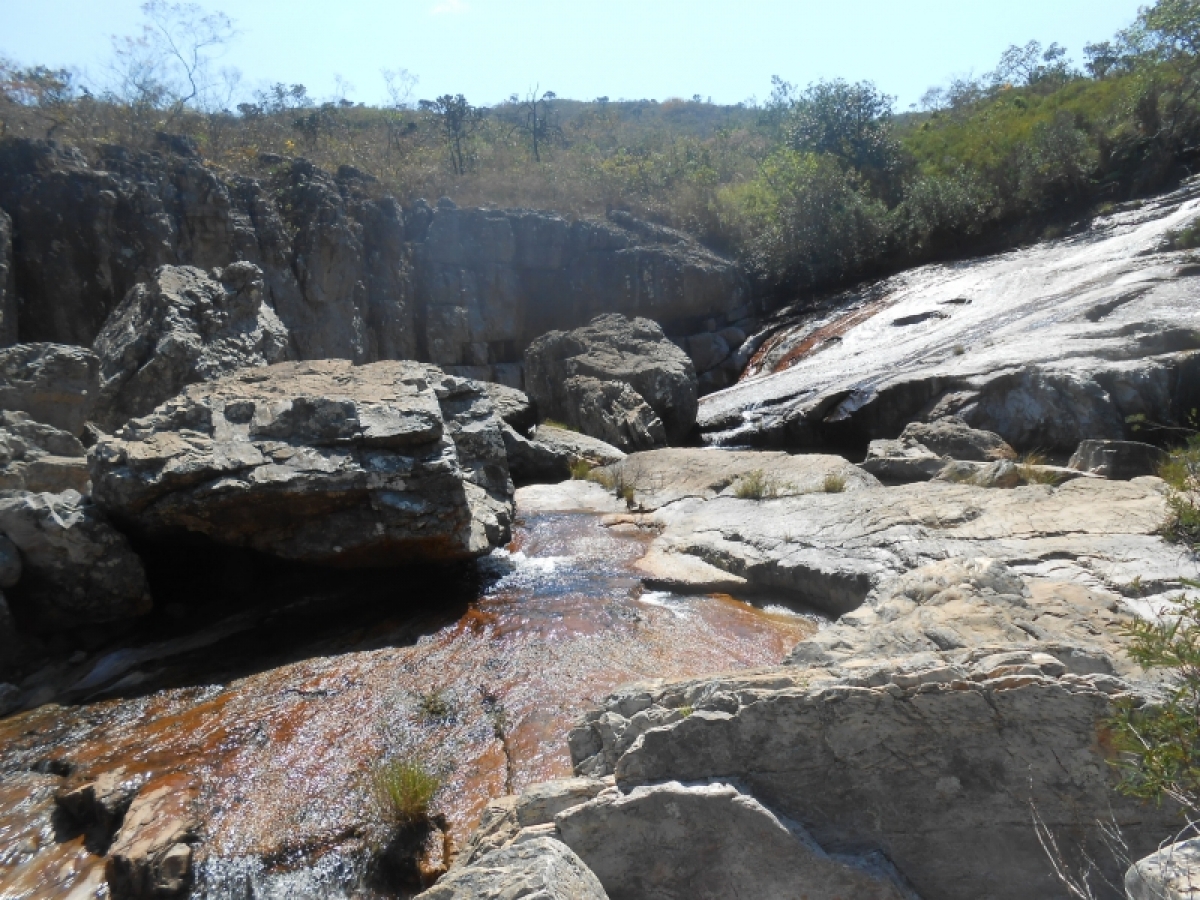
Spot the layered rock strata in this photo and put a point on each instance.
(324, 461)
(53, 383)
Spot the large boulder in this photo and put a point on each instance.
(53, 383)
(540, 868)
(613, 412)
(613, 348)
(76, 568)
(324, 461)
(183, 326)
(936, 763)
(952, 437)
(38, 457)
(1172, 873)
(553, 453)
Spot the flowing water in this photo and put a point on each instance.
(272, 727)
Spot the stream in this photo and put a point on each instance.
(271, 721)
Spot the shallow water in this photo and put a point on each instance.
(280, 758)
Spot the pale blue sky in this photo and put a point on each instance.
(488, 49)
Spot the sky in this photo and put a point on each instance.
(582, 49)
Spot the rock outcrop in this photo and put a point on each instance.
(349, 273)
(8, 291)
(324, 461)
(181, 327)
(831, 550)
(1121, 460)
(561, 369)
(1045, 346)
(76, 569)
(36, 457)
(923, 450)
(1173, 873)
(539, 868)
(54, 383)
(934, 762)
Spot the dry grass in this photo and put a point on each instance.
(834, 483)
(580, 469)
(1027, 467)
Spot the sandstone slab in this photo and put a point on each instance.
(325, 461)
(38, 457)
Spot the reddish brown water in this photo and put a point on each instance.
(279, 758)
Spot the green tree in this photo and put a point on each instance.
(458, 120)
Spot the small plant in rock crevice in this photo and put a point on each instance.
(1028, 467)
(404, 788)
(755, 485)
(834, 483)
(435, 706)
(580, 469)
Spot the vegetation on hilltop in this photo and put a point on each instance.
(814, 188)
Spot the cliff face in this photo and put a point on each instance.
(350, 273)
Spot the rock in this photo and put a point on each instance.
(707, 350)
(540, 868)
(712, 841)
(9, 697)
(1173, 873)
(568, 496)
(682, 573)
(550, 456)
(902, 461)
(181, 327)
(10, 563)
(151, 856)
(954, 438)
(12, 650)
(613, 412)
(1121, 342)
(1119, 460)
(959, 741)
(8, 288)
(613, 348)
(77, 569)
(660, 477)
(579, 447)
(55, 384)
(99, 805)
(966, 603)
(37, 457)
(831, 550)
(513, 406)
(504, 818)
(323, 461)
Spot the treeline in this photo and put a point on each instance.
(814, 188)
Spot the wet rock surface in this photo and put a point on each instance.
(181, 327)
(322, 461)
(614, 349)
(1046, 346)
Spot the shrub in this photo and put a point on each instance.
(1181, 472)
(1028, 469)
(404, 788)
(580, 469)
(1185, 238)
(754, 486)
(834, 483)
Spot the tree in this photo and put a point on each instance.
(458, 120)
(534, 119)
(49, 93)
(1031, 65)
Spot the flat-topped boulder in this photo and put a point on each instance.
(54, 383)
(39, 457)
(182, 326)
(613, 348)
(325, 461)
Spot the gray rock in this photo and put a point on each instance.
(77, 569)
(1173, 873)
(954, 438)
(613, 412)
(695, 843)
(540, 868)
(548, 458)
(12, 649)
(10, 563)
(1117, 459)
(38, 457)
(831, 550)
(902, 461)
(180, 327)
(53, 383)
(8, 289)
(513, 406)
(323, 461)
(707, 350)
(1120, 341)
(613, 348)
(958, 741)
(9, 698)
(151, 855)
(577, 446)
(660, 477)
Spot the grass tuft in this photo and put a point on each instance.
(581, 469)
(404, 788)
(834, 483)
(1030, 474)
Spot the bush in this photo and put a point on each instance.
(580, 469)
(1182, 472)
(755, 485)
(834, 484)
(404, 788)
